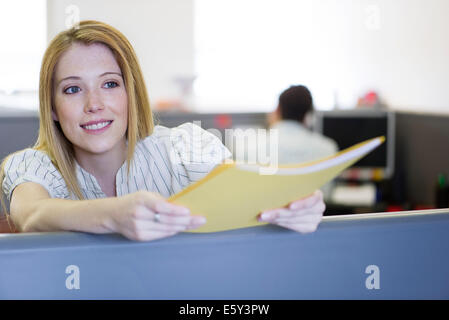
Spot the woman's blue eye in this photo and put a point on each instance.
(72, 89)
(75, 89)
(111, 84)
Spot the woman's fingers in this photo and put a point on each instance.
(287, 214)
(293, 207)
(162, 206)
(197, 222)
(300, 227)
(312, 218)
(169, 208)
(180, 220)
(157, 203)
(145, 230)
(140, 225)
(305, 222)
(166, 222)
(170, 217)
(143, 213)
(150, 216)
(303, 215)
(309, 201)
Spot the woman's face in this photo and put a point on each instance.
(91, 103)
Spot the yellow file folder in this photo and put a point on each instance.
(232, 195)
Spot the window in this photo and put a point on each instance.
(23, 35)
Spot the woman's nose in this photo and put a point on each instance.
(93, 103)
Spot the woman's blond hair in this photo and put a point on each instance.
(51, 139)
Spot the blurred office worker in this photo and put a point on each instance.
(297, 143)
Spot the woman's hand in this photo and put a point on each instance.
(145, 216)
(302, 215)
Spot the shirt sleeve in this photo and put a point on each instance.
(32, 165)
(194, 152)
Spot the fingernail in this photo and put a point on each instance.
(294, 206)
(267, 216)
(184, 210)
(197, 220)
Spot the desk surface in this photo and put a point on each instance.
(410, 252)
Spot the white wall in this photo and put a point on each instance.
(398, 47)
(161, 32)
(406, 58)
(338, 48)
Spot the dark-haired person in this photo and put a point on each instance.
(297, 143)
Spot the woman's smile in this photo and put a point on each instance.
(96, 127)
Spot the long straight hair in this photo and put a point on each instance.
(51, 139)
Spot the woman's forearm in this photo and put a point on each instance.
(141, 216)
(93, 216)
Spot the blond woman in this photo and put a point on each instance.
(99, 164)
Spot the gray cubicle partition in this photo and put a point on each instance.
(370, 256)
(18, 130)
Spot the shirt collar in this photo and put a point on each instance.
(86, 180)
(289, 125)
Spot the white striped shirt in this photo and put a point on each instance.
(165, 162)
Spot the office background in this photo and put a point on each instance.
(224, 63)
